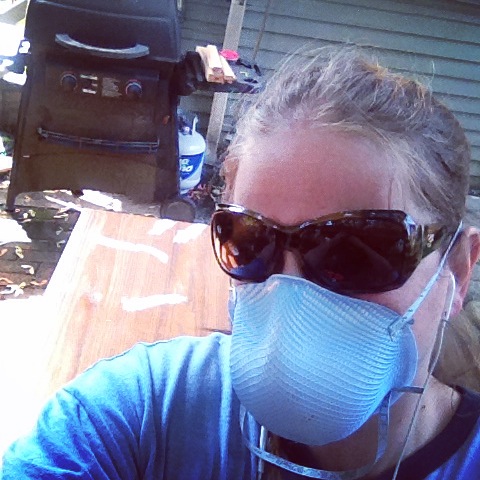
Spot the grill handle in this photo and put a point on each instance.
(67, 41)
(98, 143)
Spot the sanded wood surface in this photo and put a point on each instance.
(127, 278)
(121, 279)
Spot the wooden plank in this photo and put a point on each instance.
(219, 105)
(121, 279)
(118, 283)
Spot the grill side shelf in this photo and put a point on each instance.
(189, 76)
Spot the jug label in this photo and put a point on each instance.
(189, 164)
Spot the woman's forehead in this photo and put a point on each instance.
(311, 173)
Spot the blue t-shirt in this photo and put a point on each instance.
(167, 411)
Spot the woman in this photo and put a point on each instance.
(331, 134)
(342, 231)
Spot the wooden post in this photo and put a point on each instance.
(219, 104)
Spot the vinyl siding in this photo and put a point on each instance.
(436, 41)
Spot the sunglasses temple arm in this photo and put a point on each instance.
(434, 235)
(395, 327)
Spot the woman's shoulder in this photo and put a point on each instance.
(147, 407)
(455, 452)
(461, 441)
(184, 362)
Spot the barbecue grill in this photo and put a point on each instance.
(99, 106)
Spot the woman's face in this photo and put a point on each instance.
(294, 176)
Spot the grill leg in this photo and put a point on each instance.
(13, 189)
(11, 196)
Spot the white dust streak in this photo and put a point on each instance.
(102, 200)
(190, 233)
(161, 226)
(132, 247)
(136, 304)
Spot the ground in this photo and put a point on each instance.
(30, 250)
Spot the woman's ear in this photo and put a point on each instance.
(228, 171)
(462, 263)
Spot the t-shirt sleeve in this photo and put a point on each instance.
(92, 428)
(71, 442)
(162, 410)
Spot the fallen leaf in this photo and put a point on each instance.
(3, 251)
(60, 243)
(5, 281)
(19, 252)
(38, 284)
(16, 290)
(29, 268)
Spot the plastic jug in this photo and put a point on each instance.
(191, 147)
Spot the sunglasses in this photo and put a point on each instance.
(362, 251)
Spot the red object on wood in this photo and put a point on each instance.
(230, 55)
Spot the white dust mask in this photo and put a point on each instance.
(311, 365)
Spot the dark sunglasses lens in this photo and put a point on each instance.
(244, 246)
(356, 255)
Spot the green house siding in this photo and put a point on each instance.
(436, 41)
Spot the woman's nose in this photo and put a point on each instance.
(291, 265)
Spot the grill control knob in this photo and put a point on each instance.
(133, 89)
(68, 82)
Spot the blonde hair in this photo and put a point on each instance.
(344, 90)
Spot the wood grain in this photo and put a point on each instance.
(105, 295)
(118, 283)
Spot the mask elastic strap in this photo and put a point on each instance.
(396, 326)
(264, 456)
(232, 300)
(431, 367)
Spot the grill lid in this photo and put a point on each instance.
(138, 28)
